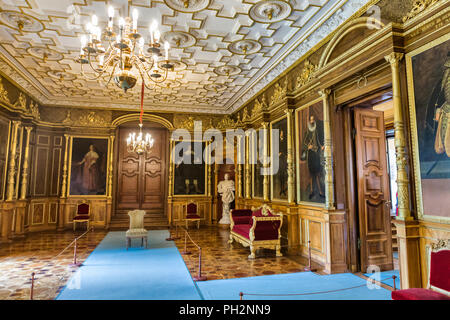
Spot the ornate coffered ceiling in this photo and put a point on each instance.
(224, 51)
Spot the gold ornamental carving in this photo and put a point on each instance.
(226, 123)
(306, 75)
(260, 105)
(21, 102)
(92, 119)
(418, 7)
(3, 93)
(280, 92)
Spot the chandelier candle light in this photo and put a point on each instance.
(126, 58)
(136, 143)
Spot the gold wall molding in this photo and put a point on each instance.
(419, 6)
(92, 119)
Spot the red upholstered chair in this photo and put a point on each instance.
(192, 214)
(82, 215)
(438, 277)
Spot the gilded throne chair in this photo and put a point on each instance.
(137, 230)
(82, 215)
(438, 276)
(257, 228)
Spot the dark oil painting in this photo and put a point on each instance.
(431, 79)
(89, 166)
(189, 178)
(311, 175)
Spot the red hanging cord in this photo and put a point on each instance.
(142, 103)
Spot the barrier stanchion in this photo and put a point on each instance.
(171, 238)
(185, 252)
(32, 286)
(241, 295)
(309, 267)
(75, 263)
(200, 277)
(393, 278)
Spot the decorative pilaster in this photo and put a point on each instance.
(329, 188)
(63, 206)
(23, 190)
(12, 162)
(290, 156)
(65, 166)
(408, 231)
(239, 168)
(404, 212)
(171, 169)
(265, 164)
(111, 166)
(248, 175)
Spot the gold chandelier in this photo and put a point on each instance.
(136, 142)
(125, 59)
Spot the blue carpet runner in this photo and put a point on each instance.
(113, 273)
(304, 282)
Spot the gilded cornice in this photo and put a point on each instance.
(280, 92)
(419, 6)
(306, 75)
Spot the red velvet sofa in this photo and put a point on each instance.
(256, 228)
(438, 279)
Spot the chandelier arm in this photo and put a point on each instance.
(98, 75)
(112, 75)
(143, 78)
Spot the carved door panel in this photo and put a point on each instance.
(142, 178)
(153, 174)
(373, 190)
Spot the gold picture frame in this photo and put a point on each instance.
(69, 174)
(5, 169)
(172, 192)
(414, 130)
(254, 139)
(272, 196)
(297, 156)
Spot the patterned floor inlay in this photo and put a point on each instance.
(35, 253)
(221, 260)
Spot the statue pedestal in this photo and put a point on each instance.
(224, 226)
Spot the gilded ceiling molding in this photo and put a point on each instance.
(147, 117)
(418, 7)
(187, 6)
(270, 11)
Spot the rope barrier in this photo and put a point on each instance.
(199, 277)
(241, 294)
(171, 238)
(75, 241)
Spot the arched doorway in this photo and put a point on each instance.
(141, 181)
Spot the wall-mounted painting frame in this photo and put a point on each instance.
(80, 182)
(5, 137)
(302, 162)
(279, 181)
(255, 167)
(189, 176)
(431, 160)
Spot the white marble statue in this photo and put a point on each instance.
(226, 190)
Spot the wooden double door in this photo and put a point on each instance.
(142, 179)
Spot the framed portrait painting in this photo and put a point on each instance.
(310, 154)
(279, 184)
(428, 75)
(88, 166)
(189, 170)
